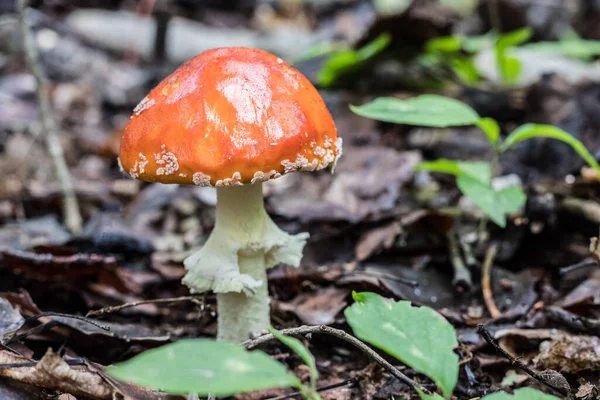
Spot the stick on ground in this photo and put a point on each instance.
(70, 205)
(488, 338)
(340, 334)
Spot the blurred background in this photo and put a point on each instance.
(373, 223)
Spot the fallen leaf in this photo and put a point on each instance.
(572, 353)
(367, 183)
(318, 308)
(10, 319)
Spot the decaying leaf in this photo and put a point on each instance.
(571, 354)
(319, 308)
(366, 183)
(10, 319)
(54, 373)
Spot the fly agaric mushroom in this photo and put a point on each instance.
(233, 118)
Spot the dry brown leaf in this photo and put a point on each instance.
(52, 372)
(570, 354)
(318, 308)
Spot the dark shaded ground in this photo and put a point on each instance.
(371, 222)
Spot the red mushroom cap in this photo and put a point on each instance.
(229, 116)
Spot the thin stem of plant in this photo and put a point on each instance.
(71, 212)
(486, 285)
(340, 334)
(108, 310)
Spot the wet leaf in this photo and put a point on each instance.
(205, 367)
(419, 337)
(425, 110)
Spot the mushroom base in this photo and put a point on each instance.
(233, 262)
(241, 316)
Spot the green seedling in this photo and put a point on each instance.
(474, 179)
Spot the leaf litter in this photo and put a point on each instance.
(375, 223)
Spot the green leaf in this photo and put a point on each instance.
(520, 394)
(478, 170)
(490, 127)
(496, 204)
(304, 354)
(425, 110)
(444, 44)
(424, 396)
(418, 336)
(204, 366)
(342, 61)
(510, 67)
(464, 67)
(374, 47)
(528, 131)
(514, 38)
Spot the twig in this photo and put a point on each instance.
(573, 321)
(486, 286)
(347, 382)
(107, 310)
(578, 266)
(488, 338)
(70, 206)
(48, 325)
(73, 362)
(340, 334)
(462, 280)
(77, 317)
(589, 209)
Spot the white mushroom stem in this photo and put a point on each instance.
(233, 262)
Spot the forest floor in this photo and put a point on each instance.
(373, 223)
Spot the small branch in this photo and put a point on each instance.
(77, 317)
(573, 321)
(107, 310)
(576, 267)
(73, 362)
(488, 338)
(340, 334)
(347, 382)
(70, 206)
(589, 209)
(462, 280)
(486, 286)
(48, 325)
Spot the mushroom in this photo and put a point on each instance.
(233, 118)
